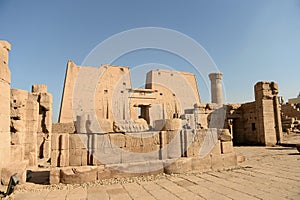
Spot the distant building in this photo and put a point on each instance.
(295, 100)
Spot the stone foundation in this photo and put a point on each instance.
(78, 158)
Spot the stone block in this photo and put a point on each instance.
(63, 142)
(32, 157)
(18, 125)
(4, 124)
(75, 157)
(54, 141)
(130, 169)
(124, 126)
(63, 158)
(46, 101)
(54, 176)
(106, 125)
(167, 124)
(224, 135)
(227, 147)
(117, 140)
(77, 142)
(216, 162)
(16, 113)
(47, 149)
(84, 157)
(14, 167)
(17, 138)
(174, 150)
(17, 152)
(192, 150)
(217, 148)
(78, 157)
(130, 157)
(54, 158)
(201, 164)
(110, 156)
(63, 128)
(156, 166)
(31, 130)
(32, 114)
(39, 88)
(103, 173)
(229, 160)
(60, 142)
(178, 166)
(77, 175)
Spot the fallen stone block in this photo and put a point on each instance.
(78, 175)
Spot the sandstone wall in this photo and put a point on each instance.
(44, 100)
(65, 114)
(245, 128)
(24, 125)
(183, 89)
(168, 95)
(4, 104)
(259, 122)
(269, 120)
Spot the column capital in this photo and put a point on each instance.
(215, 75)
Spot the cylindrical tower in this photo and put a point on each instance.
(216, 87)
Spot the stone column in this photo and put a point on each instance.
(4, 104)
(216, 87)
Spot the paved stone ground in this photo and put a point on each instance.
(267, 173)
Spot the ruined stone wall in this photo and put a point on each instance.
(4, 104)
(245, 128)
(290, 110)
(259, 122)
(268, 112)
(30, 116)
(44, 99)
(74, 156)
(24, 125)
(31, 122)
(294, 100)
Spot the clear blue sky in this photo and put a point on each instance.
(249, 40)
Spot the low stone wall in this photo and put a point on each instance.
(78, 158)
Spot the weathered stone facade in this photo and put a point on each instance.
(5, 47)
(26, 125)
(258, 122)
(290, 118)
